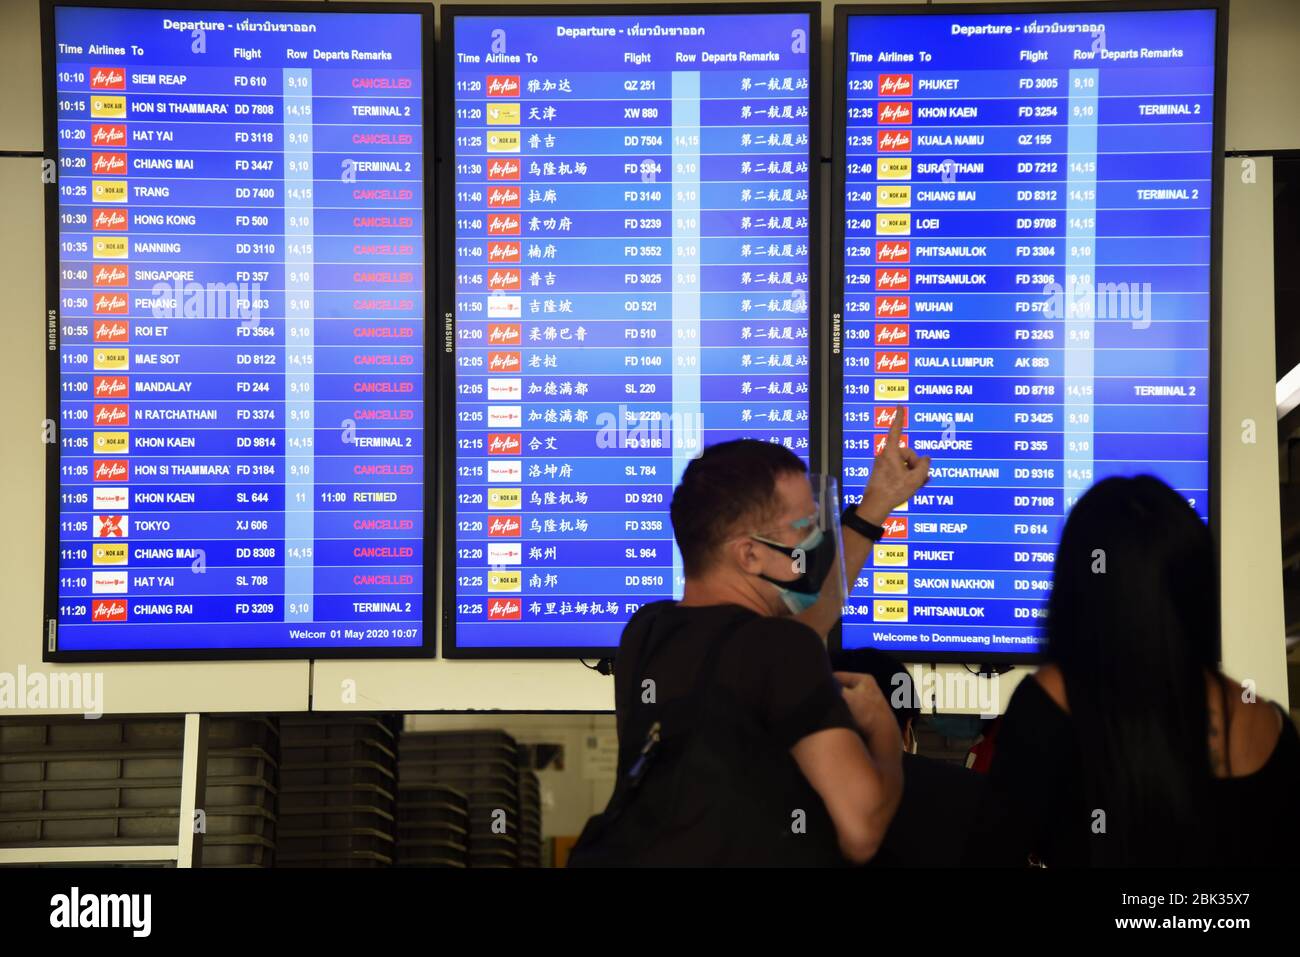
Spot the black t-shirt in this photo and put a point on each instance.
(769, 685)
(1036, 811)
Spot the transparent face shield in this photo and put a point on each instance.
(816, 556)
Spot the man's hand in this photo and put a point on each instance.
(871, 712)
(896, 475)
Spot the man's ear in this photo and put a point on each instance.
(743, 550)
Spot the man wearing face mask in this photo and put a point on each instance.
(737, 744)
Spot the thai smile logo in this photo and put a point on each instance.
(893, 280)
(107, 78)
(895, 84)
(505, 251)
(888, 251)
(892, 333)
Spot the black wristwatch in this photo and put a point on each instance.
(869, 530)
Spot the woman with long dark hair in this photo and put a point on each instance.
(1129, 747)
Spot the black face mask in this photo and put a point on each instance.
(801, 593)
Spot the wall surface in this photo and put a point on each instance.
(1264, 74)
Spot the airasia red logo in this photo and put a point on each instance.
(895, 84)
(880, 442)
(110, 526)
(890, 362)
(503, 197)
(503, 85)
(503, 169)
(895, 527)
(896, 113)
(114, 219)
(110, 386)
(504, 333)
(892, 251)
(896, 141)
(114, 414)
(108, 163)
(504, 362)
(111, 470)
(893, 280)
(892, 333)
(504, 443)
(504, 526)
(503, 224)
(107, 134)
(506, 251)
(110, 276)
(108, 609)
(109, 304)
(504, 609)
(886, 414)
(107, 78)
(892, 307)
(111, 330)
(501, 279)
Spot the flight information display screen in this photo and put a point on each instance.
(236, 331)
(632, 279)
(1026, 272)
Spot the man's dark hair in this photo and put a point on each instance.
(729, 482)
(900, 692)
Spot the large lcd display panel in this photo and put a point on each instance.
(235, 249)
(630, 277)
(1027, 267)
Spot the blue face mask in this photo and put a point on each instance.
(817, 553)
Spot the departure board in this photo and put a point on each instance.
(236, 330)
(631, 279)
(1027, 272)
